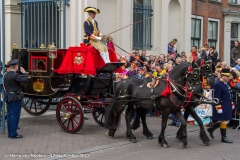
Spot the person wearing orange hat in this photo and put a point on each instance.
(93, 35)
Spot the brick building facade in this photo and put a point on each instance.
(216, 22)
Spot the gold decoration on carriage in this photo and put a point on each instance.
(78, 59)
(38, 86)
(42, 46)
(14, 46)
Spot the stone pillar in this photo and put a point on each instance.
(227, 39)
(156, 28)
(126, 15)
(74, 23)
(163, 16)
(186, 27)
(12, 26)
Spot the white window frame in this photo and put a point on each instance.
(238, 2)
(201, 18)
(216, 20)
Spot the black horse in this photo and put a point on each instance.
(169, 95)
(206, 72)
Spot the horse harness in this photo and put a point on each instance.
(174, 88)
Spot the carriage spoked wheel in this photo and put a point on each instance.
(36, 106)
(98, 115)
(70, 115)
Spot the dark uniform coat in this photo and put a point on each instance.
(88, 29)
(12, 84)
(222, 91)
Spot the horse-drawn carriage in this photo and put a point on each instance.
(73, 79)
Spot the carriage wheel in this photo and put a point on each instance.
(70, 115)
(35, 106)
(98, 115)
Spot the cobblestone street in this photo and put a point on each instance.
(43, 139)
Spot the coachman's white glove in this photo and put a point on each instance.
(97, 38)
(233, 105)
(219, 109)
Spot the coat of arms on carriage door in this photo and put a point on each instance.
(78, 59)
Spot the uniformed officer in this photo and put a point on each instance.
(12, 85)
(93, 35)
(222, 112)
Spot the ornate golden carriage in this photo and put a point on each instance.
(56, 78)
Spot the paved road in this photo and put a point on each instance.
(43, 139)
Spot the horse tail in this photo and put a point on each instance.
(109, 115)
(109, 119)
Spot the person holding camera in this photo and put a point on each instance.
(12, 84)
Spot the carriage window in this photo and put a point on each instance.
(38, 61)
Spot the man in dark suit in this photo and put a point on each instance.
(213, 55)
(222, 112)
(12, 85)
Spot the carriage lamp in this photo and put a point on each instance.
(52, 53)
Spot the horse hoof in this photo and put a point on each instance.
(207, 143)
(133, 140)
(184, 145)
(110, 134)
(164, 145)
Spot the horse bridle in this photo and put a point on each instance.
(208, 71)
(194, 73)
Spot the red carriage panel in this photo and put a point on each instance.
(84, 59)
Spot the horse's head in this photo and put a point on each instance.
(193, 78)
(207, 70)
(187, 74)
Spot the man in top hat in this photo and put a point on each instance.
(93, 35)
(222, 112)
(12, 85)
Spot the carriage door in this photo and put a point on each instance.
(43, 22)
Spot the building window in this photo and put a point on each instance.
(142, 31)
(196, 32)
(212, 33)
(233, 1)
(41, 23)
(234, 30)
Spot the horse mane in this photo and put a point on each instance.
(179, 71)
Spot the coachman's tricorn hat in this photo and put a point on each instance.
(92, 10)
(225, 72)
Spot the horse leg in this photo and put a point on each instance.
(161, 138)
(203, 134)
(183, 138)
(186, 114)
(128, 118)
(146, 131)
(136, 124)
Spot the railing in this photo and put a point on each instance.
(142, 32)
(2, 61)
(43, 22)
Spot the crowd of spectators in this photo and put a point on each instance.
(142, 65)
